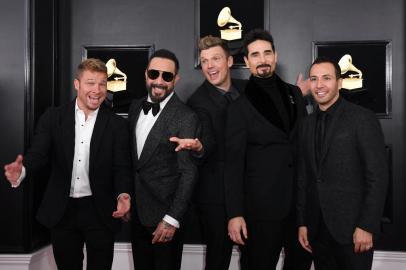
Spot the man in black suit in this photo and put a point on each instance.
(87, 149)
(342, 176)
(210, 102)
(260, 159)
(164, 178)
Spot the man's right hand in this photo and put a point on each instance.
(304, 241)
(236, 226)
(13, 170)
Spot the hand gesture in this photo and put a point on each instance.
(236, 226)
(187, 144)
(163, 233)
(13, 170)
(303, 240)
(303, 84)
(123, 206)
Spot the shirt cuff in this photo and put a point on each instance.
(122, 194)
(171, 221)
(20, 179)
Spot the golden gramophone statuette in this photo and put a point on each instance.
(234, 30)
(354, 79)
(117, 80)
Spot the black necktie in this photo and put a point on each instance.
(146, 106)
(320, 134)
(228, 97)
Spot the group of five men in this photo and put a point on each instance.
(261, 174)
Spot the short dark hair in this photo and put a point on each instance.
(167, 54)
(91, 64)
(209, 41)
(254, 35)
(323, 59)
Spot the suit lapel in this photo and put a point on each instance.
(67, 133)
(157, 132)
(95, 142)
(135, 111)
(311, 128)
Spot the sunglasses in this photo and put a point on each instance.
(166, 75)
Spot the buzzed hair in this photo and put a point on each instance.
(167, 54)
(323, 59)
(91, 64)
(209, 41)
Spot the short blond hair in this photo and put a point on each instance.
(209, 41)
(91, 64)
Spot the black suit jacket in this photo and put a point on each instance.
(109, 162)
(260, 158)
(348, 187)
(164, 179)
(211, 107)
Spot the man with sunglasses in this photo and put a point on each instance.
(164, 178)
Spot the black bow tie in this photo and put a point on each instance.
(146, 106)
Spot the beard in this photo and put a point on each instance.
(264, 73)
(158, 98)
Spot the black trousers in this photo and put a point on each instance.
(263, 246)
(330, 255)
(218, 245)
(79, 225)
(296, 257)
(159, 256)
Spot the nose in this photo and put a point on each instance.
(319, 84)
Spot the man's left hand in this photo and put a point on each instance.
(123, 206)
(163, 233)
(362, 240)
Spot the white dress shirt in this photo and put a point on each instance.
(80, 184)
(144, 125)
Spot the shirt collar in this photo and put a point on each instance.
(91, 114)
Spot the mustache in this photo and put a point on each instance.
(160, 86)
(264, 65)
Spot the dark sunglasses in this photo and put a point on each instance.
(166, 75)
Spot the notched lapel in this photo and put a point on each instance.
(67, 134)
(310, 141)
(134, 115)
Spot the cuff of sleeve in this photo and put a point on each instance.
(20, 179)
(171, 221)
(122, 194)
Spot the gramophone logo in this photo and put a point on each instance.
(352, 75)
(234, 27)
(117, 80)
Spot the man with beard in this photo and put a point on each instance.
(164, 178)
(260, 151)
(210, 102)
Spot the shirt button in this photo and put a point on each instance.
(77, 178)
(81, 142)
(318, 180)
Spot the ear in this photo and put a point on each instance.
(246, 62)
(76, 83)
(230, 61)
(340, 83)
(146, 76)
(276, 57)
(177, 78)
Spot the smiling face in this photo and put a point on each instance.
(216, 67)
(91, 87)
(261, 58)
(324, 84)
(158, 88)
